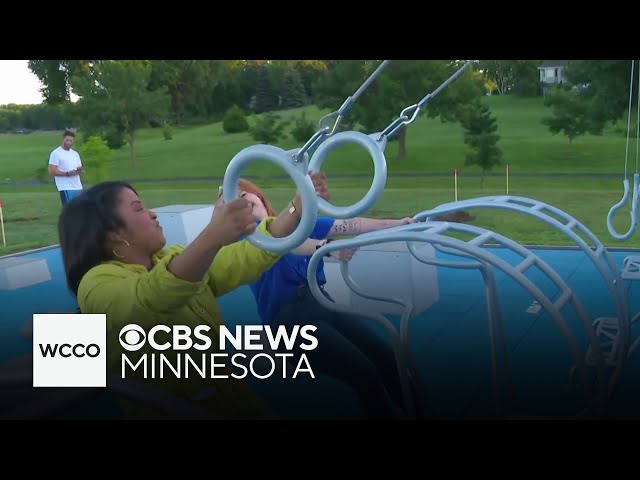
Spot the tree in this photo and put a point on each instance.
(293, 94)
(266, 99)
(269, 129)
(307, 70)
(500, 74)
(481, 137)
(55, 76)
(513, 76)
(603, 87)
(235, 121)
(117, 94)
(191, 84)
(526, 78)
(303, 129)
(310, 71)
(95, 155)
(401, 84)
(569, 113)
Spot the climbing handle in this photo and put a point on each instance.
(302, 180)
(620, 204)
(376, 151)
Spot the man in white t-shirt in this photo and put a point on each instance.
(65, 166)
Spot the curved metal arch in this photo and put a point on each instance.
(432, 232)
(498, 345)
(597, 254)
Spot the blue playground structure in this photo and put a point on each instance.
(485, 327)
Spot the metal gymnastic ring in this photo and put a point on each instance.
(375, 149)
(302, 180)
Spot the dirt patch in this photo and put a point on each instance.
(457, 217)
(21, 219)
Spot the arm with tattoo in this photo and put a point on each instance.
(358, 225)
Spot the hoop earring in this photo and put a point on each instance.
(114, 250)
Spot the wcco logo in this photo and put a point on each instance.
(66, 350)
(69, 350)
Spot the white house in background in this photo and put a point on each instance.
(552, 72)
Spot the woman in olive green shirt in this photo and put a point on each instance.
(116, 263)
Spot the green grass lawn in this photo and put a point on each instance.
(31, 212)
(432, 147)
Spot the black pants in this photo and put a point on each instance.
(349, 349)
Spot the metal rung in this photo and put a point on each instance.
(564, 298)
(440, 228)
(482, 239)
(525, 264)
(572, 224)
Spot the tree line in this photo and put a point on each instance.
(118, 98)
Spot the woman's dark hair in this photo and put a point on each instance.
(83, 226)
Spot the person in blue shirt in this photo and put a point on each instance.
(348, 348)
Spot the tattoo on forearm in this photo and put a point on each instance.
(347, 227)
(339, 227)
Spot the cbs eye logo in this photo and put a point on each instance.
(132, 337)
